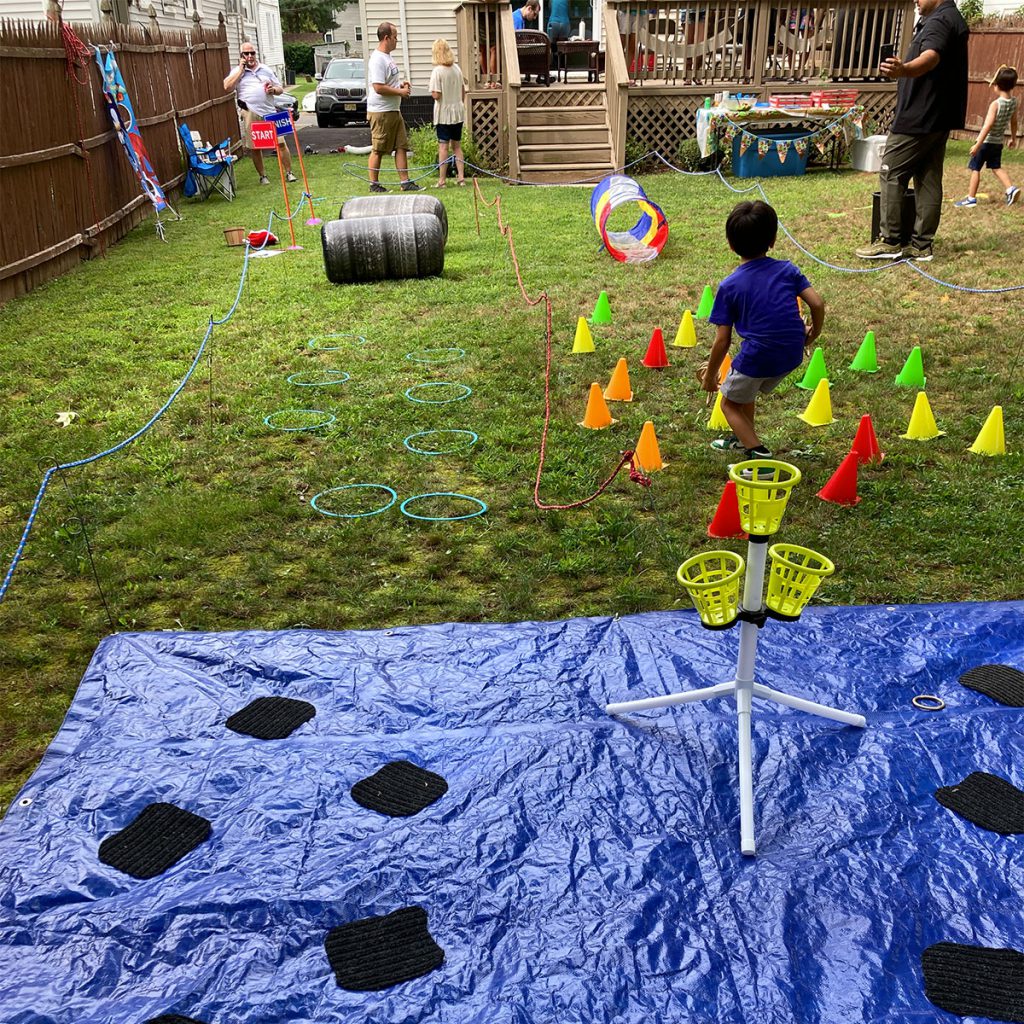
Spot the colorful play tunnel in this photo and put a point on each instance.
(646, 238)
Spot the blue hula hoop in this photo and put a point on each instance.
(354, 515)
(359, 340)
(423, 357)
(443, 519)
(473, 438)
(312, 412)
(467, 391)
(341, 377)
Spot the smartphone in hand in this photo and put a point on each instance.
(886, 52)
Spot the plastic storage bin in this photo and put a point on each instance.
(866, 154)
(750, 165)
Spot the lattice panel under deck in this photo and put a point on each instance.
(485, 128)
(662, 122)
(556, 97)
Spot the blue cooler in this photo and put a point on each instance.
(750, 165)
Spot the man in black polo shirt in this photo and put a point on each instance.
(931, 101)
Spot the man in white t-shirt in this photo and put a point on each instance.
(254, 84)
(384, 109)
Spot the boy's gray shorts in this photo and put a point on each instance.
(740, 388)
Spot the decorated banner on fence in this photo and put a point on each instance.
(122, 114)
(852, 122)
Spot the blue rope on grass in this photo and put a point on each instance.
(467, 391)
(443, 519)
(354, 515)
(472, 435)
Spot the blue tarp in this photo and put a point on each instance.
(579, 869)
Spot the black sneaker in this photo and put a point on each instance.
(376, 186)
(411, 186)
(918, 253)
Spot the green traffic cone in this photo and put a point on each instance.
(707, 300)
(866, 361)
(602, 311)
(815, 371)
(912, 374)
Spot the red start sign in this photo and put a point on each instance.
(263, 135)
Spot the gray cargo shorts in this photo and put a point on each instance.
(743, 390)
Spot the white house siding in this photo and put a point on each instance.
(424, 21)
(268, 31)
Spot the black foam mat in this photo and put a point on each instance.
(159, 836)
(173, 1018)
(378, 952)
(988, 801)
(271, 718)
(1000, 682)
(975, 981)
(399, 789)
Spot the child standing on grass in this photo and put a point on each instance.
(988, 150)
(759, 300)
(448, 88)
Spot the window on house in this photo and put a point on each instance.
(359, 33)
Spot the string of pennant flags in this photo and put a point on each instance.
(727, 130)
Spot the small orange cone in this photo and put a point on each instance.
(726, 521)
(618, 389)
(657, 357)
(648, 455)
(597, 416)
(842, 488)
(865, 444)
(723, 370)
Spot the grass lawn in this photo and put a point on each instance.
(205, 523)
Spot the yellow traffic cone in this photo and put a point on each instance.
(618, 389)
(922, 423)
(819, 409)
(990, 439)
(584, 341)
(597, 416)
(686, 336)
(648, 455)
(718, 420)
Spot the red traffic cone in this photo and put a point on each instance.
(726, 521)
(842, 488)
(657, 357)
(865, 444)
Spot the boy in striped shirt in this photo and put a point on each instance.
(988, 150)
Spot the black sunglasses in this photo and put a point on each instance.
(248, 53)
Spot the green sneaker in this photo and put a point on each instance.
(727, 444)
(919, 253)
(880, 251)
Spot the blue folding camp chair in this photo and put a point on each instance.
(210, 169)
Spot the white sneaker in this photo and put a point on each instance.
(290, 177)
(264, 180)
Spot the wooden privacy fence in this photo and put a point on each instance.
(988, 48)
(65, 183)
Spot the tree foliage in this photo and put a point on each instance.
(309, 15)
(298, 57)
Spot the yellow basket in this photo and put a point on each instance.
(712, 579)
(795, 575)
(763, 498)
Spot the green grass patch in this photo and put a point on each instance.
(205, 523)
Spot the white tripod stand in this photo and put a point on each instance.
(743, 686)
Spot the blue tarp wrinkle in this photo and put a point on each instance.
(579, 869)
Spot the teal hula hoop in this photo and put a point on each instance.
(359, 340)
(268, 420)
(341, 377)
(472, 435)
(443, 519)
(467, 391)
(424, 355)
(354, 515)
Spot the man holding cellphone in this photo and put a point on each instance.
(254, 83)
(931, 101)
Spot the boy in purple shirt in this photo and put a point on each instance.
(759, 299)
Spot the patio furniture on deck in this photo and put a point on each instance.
(534, 51)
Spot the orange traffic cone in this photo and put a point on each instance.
(726, 521)
(618, 389)
(865, 444)
(657, 357)
(648, 455)
(724, 368)
(597, 416)
(842, 488)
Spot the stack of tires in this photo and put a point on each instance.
(379, 238)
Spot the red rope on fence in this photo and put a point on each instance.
(628, 457)
(76, 55)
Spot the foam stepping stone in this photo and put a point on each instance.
(987, 801)
(975, 981)
(173, 1018)
(271, 718)
(1000, 682)
(400, 789)
(378, 952)
(159, 836)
